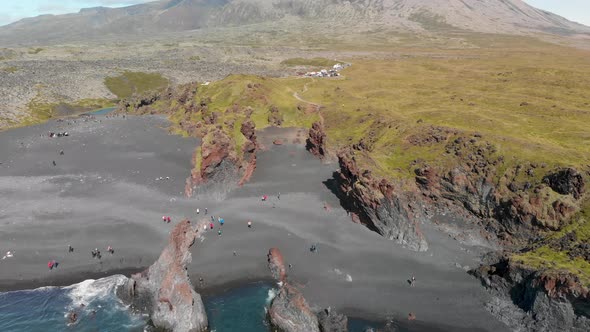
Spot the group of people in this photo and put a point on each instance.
(166, 219)
(95, 254)
(62, 134)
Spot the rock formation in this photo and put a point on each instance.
(331, 321)
(164, 290)
(544, 300)
(289, 312)
(316, 142)
(380, 206)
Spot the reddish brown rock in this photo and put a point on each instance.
(275, 118)
(249, 150)
(164, 290)
(288, 312)
(379, 204)
(316, 142)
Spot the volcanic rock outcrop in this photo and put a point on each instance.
(546, 300)
(289, 312)
(164, 290)
(383, 208)
(316, 142)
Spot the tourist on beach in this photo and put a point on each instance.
(205, 211)
(219, 232)
(249, 223)
(279, 196)
(54, 164)
(52, 264)
(221, 221)
(204, 227)
(264, 198)
(313, 248)
(412, 281)
(198, 211)
(164, 218)
(168, 219)
(211, 225)
(70, 248)
(212, 218)
(111, 250)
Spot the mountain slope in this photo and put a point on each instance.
(492, 16)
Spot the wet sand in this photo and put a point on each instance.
(103, 191)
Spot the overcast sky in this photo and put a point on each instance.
(13, 10)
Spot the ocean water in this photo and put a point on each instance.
(240, 309)
(46, 308)
(103, 111)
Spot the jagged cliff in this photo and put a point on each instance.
(516, 203)
(223, 160)
(164, 290)
(544, 300)
(519, 204)
(380, 204)
(289, 311)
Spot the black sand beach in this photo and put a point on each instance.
(105, 190)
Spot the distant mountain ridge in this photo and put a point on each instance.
(491, 16)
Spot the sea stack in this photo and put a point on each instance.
(164, 290)
(289, 312)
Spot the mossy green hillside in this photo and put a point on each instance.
(129, 83)
(39, 111)
(549, 258)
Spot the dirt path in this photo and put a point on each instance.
(315, 105)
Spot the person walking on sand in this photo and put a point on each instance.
(70, 248)
(205, 227)
(211, 225)
(198, 211)
(279, 196)
(205, 211)
(412, 281)
(219, 232)
(249, 223)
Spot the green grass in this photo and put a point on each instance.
(550, 259)
(129, 83)
(195, 58)
(10, 69)
(315, 62)
(39, 111)
(35, 50)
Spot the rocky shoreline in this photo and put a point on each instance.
(513, 206)
(164, 290)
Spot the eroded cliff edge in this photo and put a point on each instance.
(538, 214)
(164, 290)
(290, 312)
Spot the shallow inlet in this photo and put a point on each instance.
(102, 111)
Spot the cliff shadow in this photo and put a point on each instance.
(348, 203)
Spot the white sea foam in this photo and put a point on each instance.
(91, 290)
(271, 295)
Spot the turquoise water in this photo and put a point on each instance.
(103, 111)
(240, 309)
